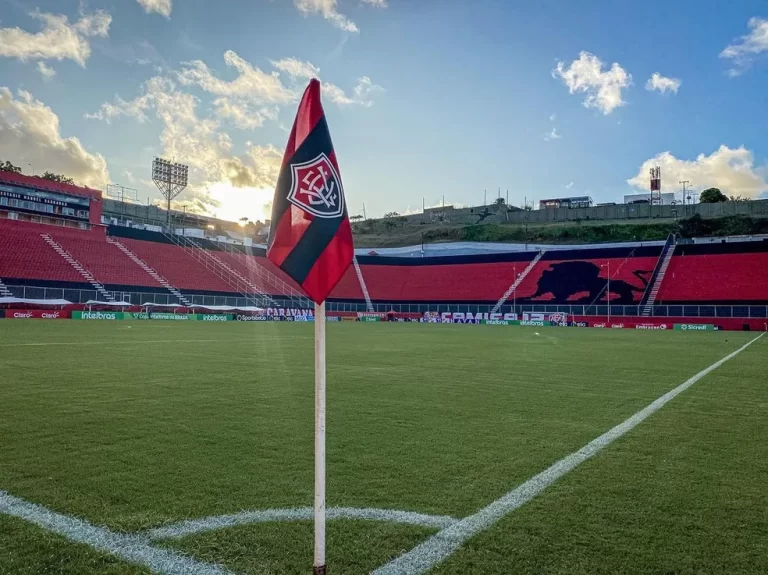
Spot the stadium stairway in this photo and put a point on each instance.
(363, 288)
(147, 268)
(517, 281)
(658, 276)
(4, 291)
(213, 263)
(24, 255)
(87, 275)
(260, 271)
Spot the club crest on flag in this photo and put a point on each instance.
(316, 188)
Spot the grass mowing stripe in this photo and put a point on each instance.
(443, 544)
(192, 526)
(131, 548)
(139, 342)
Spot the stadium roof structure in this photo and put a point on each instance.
(478, 248)
(27, 301)
(48, 186)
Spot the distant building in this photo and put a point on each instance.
(576, 202)
(667, 198)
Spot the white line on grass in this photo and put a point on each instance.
(192, 526)
(131, 548)
(444, 543)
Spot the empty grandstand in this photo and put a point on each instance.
(47, 253)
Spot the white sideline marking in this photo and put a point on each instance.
(444, 543)
(132, 548)
(192, 526)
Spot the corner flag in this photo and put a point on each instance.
(310, 239)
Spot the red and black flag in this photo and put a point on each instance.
(310, 237)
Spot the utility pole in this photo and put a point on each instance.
(485, 197)
(684, 183)
(365, 217)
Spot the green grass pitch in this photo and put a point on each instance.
(133, 426)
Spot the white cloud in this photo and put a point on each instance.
(162, 7)
(749, 46)
(251, 83)
(553, 135)
(326, 8)
(731, 170)
(242, 115)
(57, 40)
(31, 134)
(603, 88)
(552, 117)
(94, 24)
(376, 3)
(245, 102)
(46, 71)
(251, 98)
(254, 87)
(662, 83)
(361, 93)
(364, 89)
(135, 108)
(569, 185)
(200, 142)
(297, 68)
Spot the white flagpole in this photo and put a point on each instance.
(319, 563)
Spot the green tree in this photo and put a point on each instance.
(712, 196)
(58, 178)
(391, 215)
(9, 167)
(499, 201)
(356, 217)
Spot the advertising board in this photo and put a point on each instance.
(35, 314)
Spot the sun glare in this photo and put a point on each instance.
(237, 203)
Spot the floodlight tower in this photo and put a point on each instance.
(171, 179)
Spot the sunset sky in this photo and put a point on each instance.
(424, 98)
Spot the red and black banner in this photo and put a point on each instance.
(310, 238)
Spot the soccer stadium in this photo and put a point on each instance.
(166, 446)
(246, 374)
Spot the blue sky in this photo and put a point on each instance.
(424, 98)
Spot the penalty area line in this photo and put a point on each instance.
(446, 542)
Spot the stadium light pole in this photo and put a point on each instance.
(171, 178)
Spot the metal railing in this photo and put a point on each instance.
(138, 297)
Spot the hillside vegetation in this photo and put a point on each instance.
(380, 233)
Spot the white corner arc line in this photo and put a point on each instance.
(193, 526)
(444, 543)
(132, 548)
